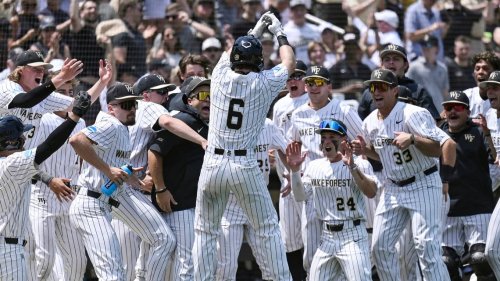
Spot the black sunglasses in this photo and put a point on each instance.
(126, 105)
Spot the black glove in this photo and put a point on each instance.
(82, 103)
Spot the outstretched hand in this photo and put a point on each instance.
(105, 71)
(347, 153)
(294, 156)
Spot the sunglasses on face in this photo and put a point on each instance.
(296, 77)
(318, 82)
(379, 86)
(171, 17)
(457, 107)
(202, 96)
(333, 126)
(160, 92)
(126, 105)
(212, 50)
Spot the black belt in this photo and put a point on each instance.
(339, 227)
(412, 179)
(33, 181)
(14, 241)
(96, 195)
(237, 152)
(369, 230)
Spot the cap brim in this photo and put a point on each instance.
(484, 84)
(299, 70)
(367, 83)
(37, 64)
(319, 131)
(169, 87)
(316, 76)
(130, 97)
(27, 127)
(201, 83)
(454, 102)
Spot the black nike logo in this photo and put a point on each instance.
(397, 122)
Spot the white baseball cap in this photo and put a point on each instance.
(211, 42)
(388, 16)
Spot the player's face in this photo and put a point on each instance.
(383, 95)
(157, 96)
(194, 70)
(330, 142)
(456, 114)
(123, 111)
(66, 89)
(31, 77)
(318, 89)
(295, 85)
(482, 71)
(200, 100)
(394, 63)
(493, 94)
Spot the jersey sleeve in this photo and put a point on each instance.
(293, 133)
(277, 139)
(421, 123)
(150, 116)
(367, 169)
(164, 142)
(54, 102)
(276, 78)
(19, 167)
(101, 133)
(223, 63)
(353, 122)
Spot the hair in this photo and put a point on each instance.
(488, 57)
(15, 75)
(194, 59)
(82, 5)
(125, 5)
(314, 44)
(462, 38)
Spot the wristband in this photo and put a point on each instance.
(161, 190)
(44, 177)
(446, 172)
(282, 40)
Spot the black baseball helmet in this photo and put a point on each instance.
(247, 51)
(11, 131)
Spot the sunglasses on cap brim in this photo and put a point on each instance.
(126, 105)
(331, 125)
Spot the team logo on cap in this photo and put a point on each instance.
(392, 47)
(315, 69)
(39, 54)
(160, 77)
(129, 88)
(454, 95)
(378, 74)
(494, 75)
(246, 44)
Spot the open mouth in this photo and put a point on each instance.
(452, 117)
(206, 108)
(328, 148)
(294, 88)
(38, 80)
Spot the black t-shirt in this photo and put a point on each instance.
(460, 21)
(135, 44)
(182, 161)
(83, 46)
(470, 186)
(460, 77)
(27, 22)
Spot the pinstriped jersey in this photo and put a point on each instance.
(239, 104)
(54, 102)
(305, 121)
(402, 164)
(334, 193)
(494, 125)
(142, 132)
(269, 138)
(283, 108)
(477, 104)
(64, 163)
(112, 145)
(16, 170)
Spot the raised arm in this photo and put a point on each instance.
(286, 52)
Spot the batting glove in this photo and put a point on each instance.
(260, 26)
(82, 103)
(275, 28)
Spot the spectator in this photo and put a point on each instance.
(316, 52)
(460, 68)
(160, 67)
(280, 9)
(10, 63)
(25, 25)
(212, 50)
(203, 20)
(330, 11)
(348, 74)
(268, 50)
(331, 43)
(49, 42)
(426, 70)
(61, 17)
(179, 20)
(421, 19)
(248, 18)
(5, 38)
(169, 48)
(226, 12)
(299, 32)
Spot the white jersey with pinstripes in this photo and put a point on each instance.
(477, 104)
(283, 108)
(112, 145)
(332, 187)
(305, 121)
(270, 138)
(402, 164)
(239, 103)
(54, 102)
(15, 172)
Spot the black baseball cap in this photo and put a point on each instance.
(317, 71)
(456, 97)
(121, 92)
(300, 66)
(32, 58)
(152, 82)
(395, 49)
(404, 95)
(193, 82)
(493, 79)
(383, 76)
(429, 41)
(47, 23)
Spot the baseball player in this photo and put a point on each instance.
(151, 116)
(235, 223)
(405, 139)
(492, 87)
(175, 165)
(336, 183)
(16, 169)
(470, 190)
(304, 120)
(289, 209)
(105, 146)
(241, 94)
(49, 213)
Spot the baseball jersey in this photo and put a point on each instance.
(476, 104)
(335, 195)
(16, 170)
(142, 132)
(112, 145)
(54, 102)
(305, 121)
(63, 163)
(283, 108)
(402, 164)
(270, 138)
(493, 123)
(239, 104)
